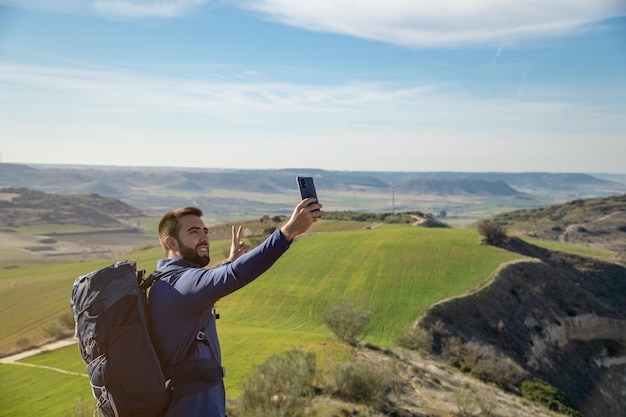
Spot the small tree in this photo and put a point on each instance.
(347, 322)
(494, 233)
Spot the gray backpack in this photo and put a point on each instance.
(112, 328)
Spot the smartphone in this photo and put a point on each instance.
(307, 188)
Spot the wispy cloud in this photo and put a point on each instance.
(106, 88)
(383, 104)
(127, 109)
(146, 8)
(113, 8)
(445, 23)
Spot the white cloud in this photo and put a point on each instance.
(411, 23)
(443, 23)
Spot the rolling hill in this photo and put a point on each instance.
(398, 272)
(24, 207)
(458, 186)
(594, 222)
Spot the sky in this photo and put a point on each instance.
(348, 85)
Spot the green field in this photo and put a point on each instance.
(394, 271)
(574, 249)
(31, 391)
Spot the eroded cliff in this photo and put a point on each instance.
(559, 317)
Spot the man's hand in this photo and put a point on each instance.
(303, 216)
(237, 247)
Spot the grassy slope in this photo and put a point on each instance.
(395, 271)
(28, 391)
(32, 297)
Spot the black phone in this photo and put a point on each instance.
(307, 188)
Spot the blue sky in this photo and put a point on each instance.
(371, 85)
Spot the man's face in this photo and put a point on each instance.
(193, 241)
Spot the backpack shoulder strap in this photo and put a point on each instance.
(146, 283)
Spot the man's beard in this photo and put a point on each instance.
(190, 254)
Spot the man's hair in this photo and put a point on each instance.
(168, 226)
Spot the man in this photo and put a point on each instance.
(180, 300)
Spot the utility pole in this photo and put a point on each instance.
(393, 199)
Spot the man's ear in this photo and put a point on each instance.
(171, 243)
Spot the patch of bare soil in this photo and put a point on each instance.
(607, 232)
(82, 246)
(426, 387)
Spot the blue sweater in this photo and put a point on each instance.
(177, 302)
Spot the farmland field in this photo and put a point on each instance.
(394, 271)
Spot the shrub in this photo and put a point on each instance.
(347, 322)
(23, 342)
(361, 382)
(269, 230)
(549, 396)
(465, 401)
(415, 338)
(483, 362)
(67, 319)
(471, 401)
(279, 387)
(493, 233)
(54, 329)
(487, 401)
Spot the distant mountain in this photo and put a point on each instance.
(238, 193)
(456, 187)
(65, 179)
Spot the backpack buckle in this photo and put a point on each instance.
(200, 336)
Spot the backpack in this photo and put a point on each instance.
(112, 328)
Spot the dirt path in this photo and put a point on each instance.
(57, 344)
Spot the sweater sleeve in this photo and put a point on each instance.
(201, 288)
(249, 266)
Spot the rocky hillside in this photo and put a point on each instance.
(596, 222)
(553, 316)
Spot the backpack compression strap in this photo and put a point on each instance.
(189, 377)
(195, 376)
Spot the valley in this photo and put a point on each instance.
(524, 302)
